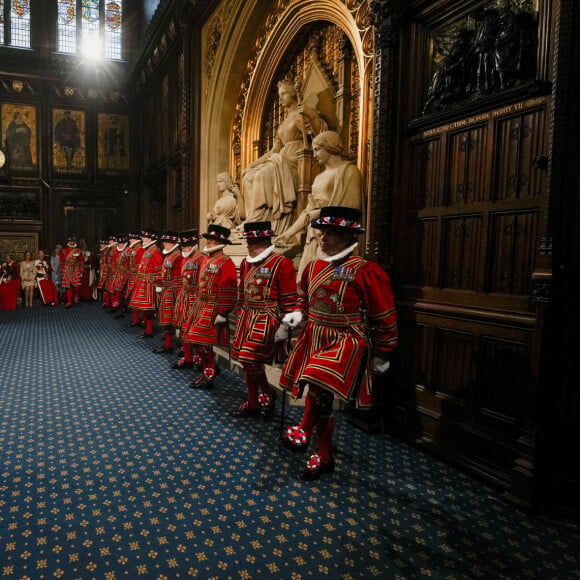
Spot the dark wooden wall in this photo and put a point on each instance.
(472, 250)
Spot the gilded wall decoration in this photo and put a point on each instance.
(69, 141)
(215, 27)
(19, 137)
(113, 142)
(16, 245)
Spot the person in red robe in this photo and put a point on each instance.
(168, 288)
(9, 284)
(350, 331)
(187, 297)
(135, 253)
(266, 293)
(46, 286)
(148, 277)
(216, 299)
(72, 261)
(104, 271)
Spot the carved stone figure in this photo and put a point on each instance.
(227, 211)
(270, 181)
(339, 184)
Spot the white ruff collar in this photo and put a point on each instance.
(134, 242)
(337, 257)
(261, 256)
(187, 254)
(148, 245)
(73, 246)
(121, 248)
(112, 245)
(166, 252)
(213, 249)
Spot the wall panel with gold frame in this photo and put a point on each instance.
(69, 156)
(20, 138)
(112, 143)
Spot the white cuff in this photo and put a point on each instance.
(292, 319)
(219, 319)
(158, 288)
(381, 364)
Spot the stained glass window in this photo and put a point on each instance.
(67, 26)
(1, 21)
(20, 23)
(113, 22)
(90, 26)
(15, 23)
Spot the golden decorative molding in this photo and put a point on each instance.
(17, 244)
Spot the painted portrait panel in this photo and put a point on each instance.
(68, 141)
(19, 137)
(113, 142)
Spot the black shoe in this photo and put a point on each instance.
(201, 383)
(162, 350)
(315, 468)
(267, 404)
(120, 314)
(244, 410)
(182, 364)
(145, 335)
(68, 305)
(180, 352)
(132, 324)
(295, 439)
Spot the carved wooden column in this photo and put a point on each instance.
(385, 16)
(184, 69)
(343, 95)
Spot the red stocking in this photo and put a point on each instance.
(187, 352)
(252, 376)
(69, 295)
(310, 413)
(168, 344)
(325, 429)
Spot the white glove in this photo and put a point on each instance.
(381, 364)
(158, 289)
(292, 319)
(219, 319)
(282, 333)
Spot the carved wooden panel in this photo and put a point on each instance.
(520, 139)
(514, 238)
(17, 244)
(425, 174)
(504, 378)
(467, 166)
(453, 363)
(461, 256)
(421, 264)
(415, 350)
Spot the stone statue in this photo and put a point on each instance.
(227, 211)
(340, 183)
(270, 181)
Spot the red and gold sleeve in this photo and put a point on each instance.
(286, 280)
(228, 287)
(377, 296)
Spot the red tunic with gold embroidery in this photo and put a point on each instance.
(134, 256)
(114, 261)
(266, 292)
(104, 267)
(216, 295)
(148, 275)
(120, 271)
(350, 317)
(71, 262)
(171, 283)
(187, 297)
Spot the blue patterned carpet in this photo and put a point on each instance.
(111, 467)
